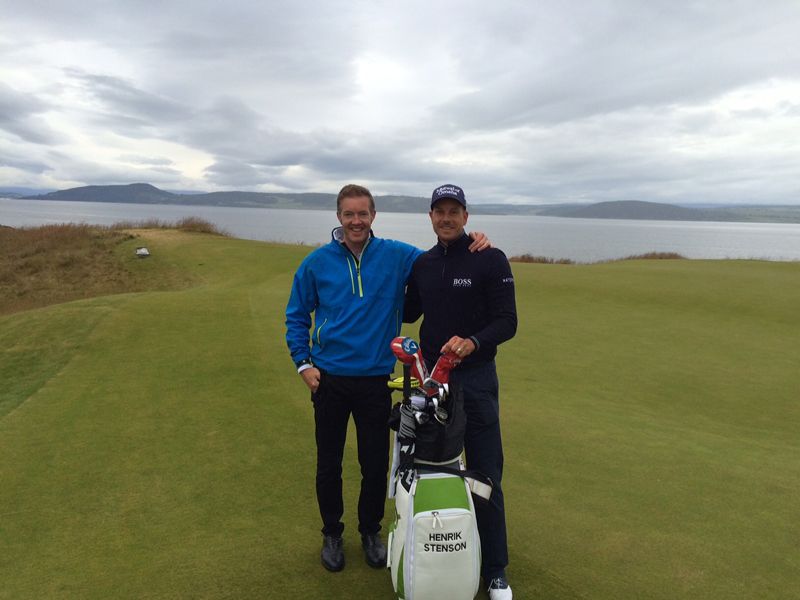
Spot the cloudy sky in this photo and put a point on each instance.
(517, 101)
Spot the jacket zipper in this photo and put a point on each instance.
(357, 264)
(358, 273)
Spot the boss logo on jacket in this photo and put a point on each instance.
(464, 294)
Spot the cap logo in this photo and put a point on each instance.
(447, 190)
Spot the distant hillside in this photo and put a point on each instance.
(655, 211)
(20, 192)
(631, 209)
(144, 193)
(757, 214)
(140, 193)
(521, 209)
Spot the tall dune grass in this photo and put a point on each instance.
(192, 224)
(57, 263)
(546, 260)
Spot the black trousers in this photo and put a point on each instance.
(368, 399)
(483, 448)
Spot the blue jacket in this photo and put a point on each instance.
(357, 306)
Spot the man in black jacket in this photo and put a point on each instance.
(469, 307)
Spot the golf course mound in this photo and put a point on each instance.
(57, 263)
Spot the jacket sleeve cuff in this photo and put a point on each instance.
(476, 342)
(302, 365)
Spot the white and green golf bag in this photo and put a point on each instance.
(434, 550)
(434, 547)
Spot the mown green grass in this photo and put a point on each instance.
(159, 444)
(660, 401)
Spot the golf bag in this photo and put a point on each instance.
(434, 546)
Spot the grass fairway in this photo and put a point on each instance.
(159, 444)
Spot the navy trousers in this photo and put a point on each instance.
(368, 399)
(483, 447)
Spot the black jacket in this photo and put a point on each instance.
(465, 294)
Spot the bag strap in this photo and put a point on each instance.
(479, 485)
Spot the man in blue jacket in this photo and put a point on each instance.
(354, 286)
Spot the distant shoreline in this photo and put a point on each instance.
(622, 209)
(578, 239)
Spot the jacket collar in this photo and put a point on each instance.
(337, 234)
(459, 245)
(337, 237)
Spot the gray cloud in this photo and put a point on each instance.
(23, 164)
(128, 103)
(19, 115)
(524, 101)
(654, 54)
(89, 172)
(145, 160)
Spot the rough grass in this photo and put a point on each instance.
(50, 264)
(530, 258)
(56, 263)
(160, 445)
(544, 260)
(190, 224)
(655, 256)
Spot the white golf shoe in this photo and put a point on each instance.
(499, 589)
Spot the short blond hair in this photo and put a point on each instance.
(351, 190)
